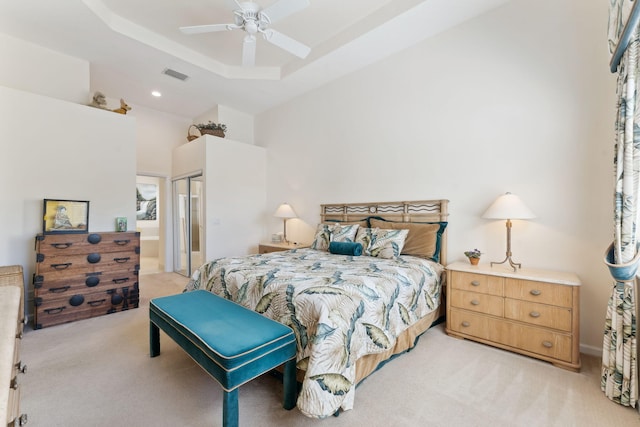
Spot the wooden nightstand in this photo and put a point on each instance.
(265, 248)
(531, 312)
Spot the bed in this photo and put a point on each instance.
(350, 313)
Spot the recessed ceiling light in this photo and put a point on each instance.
(156, 93)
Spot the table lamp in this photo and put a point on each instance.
(508, 206)
(285, 211)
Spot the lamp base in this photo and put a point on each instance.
(511, 263)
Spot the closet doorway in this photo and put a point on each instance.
(148, 190)
(188, 226)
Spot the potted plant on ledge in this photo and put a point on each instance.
(474, 256)
(216, 129)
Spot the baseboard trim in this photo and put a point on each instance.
(591, 350)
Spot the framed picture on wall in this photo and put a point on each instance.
(65, 216)
(146, 198)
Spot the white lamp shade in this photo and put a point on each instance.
(508, 206)
(285, 211)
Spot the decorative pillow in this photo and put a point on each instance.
(345, 248)
(327, 233)
(382, 243)
(423, 239)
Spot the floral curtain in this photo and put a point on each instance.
(619, 351)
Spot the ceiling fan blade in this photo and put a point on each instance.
(249, 51)
(283, 8)
(198, 29)
(233, 4)
(287, 43)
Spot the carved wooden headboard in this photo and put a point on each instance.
(414, 211)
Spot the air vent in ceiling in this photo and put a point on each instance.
(175, 74)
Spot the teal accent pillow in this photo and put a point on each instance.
(345, 248)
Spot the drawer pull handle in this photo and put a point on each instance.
(19, 335)
(534, 314)
(54, 310)
(21, 368)
(466, 324)
(121, 242)
(61, 245)
(61, 266)
(14, 383)
(475, 302)
(547, 344)
(121, 280)
(535, 292)
(96, 302)
(61, 289)
(475, 283)
(122, 260)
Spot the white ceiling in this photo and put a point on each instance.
(130, 42)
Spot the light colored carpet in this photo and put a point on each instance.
(98, 372)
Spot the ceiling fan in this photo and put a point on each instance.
(251, 18)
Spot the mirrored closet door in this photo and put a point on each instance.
(188, 226)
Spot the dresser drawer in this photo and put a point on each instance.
(70, 308)
(52, 285)
(540, 292)
(481, 283)
(483, 303)
(536, 340)
(75, 244)
(92, 262)
(538, 314)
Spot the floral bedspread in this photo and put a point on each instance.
(340, 308)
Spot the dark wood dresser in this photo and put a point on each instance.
(85, 275)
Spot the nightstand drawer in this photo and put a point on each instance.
(529, 338)
(538, 314)
(483, 303)
(482, 283)
(540, 292)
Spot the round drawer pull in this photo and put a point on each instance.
(475, 283)
(547, 344)
(466, 324)
(475, 302)
(534, 314)
(535, 292)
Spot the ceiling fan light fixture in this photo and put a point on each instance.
(251, 18)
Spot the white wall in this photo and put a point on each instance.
(157, 134)
(60, 150)
(518, 100)
(36, 69)
(234, 175)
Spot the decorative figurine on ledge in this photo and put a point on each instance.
(100, 101)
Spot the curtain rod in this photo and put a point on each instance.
(629, 27)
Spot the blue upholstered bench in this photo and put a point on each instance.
(232, 343)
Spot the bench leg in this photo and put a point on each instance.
(290, 384)
(154, 339)
(230, 408)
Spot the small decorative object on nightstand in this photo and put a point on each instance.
(474, 256)
(265, 248)
(531, 312)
